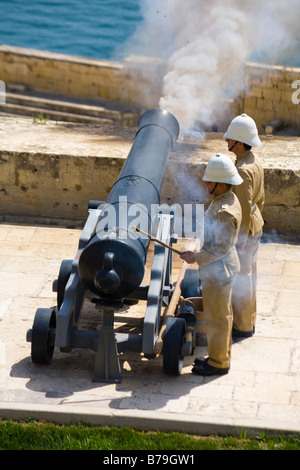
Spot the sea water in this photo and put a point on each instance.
(99, 28)
(88, 28)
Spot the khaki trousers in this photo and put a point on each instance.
(218, 320)
(244, 287)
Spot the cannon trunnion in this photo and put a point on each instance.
(109, 265)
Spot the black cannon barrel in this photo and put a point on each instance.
(112, 264)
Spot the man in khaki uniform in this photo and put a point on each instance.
(218, 263)
(241, 136)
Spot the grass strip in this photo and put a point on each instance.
(37, 435)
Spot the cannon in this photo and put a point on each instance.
(109, 266)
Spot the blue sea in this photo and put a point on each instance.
(88, 28)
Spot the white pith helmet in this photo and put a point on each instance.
(221, 169)
(243, 129)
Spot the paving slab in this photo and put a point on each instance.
(260, 393)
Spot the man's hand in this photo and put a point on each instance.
(188, 257)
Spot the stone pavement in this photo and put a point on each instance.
(260, 393)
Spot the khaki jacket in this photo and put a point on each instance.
(218, 260)
(251, 195)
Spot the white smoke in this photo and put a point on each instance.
(206, 44)
(273, 30)
(201, 71)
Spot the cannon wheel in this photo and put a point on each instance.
(63, 277)
(172, 345)
(43, 335)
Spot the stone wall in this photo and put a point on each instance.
(267, 96)
(48, 185)
(39, 179)
(51, 171)
(81, 77)
(271, 94)
(51, 187)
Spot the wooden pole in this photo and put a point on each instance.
(157, 240)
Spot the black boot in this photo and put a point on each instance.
(237, 334)
(203, 368)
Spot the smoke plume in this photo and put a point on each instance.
(206, 44)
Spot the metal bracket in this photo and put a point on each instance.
(107, 368)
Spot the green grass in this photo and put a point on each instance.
(33, 435)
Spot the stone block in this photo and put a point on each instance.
(272, 94)
(250, 103)
(266, 105)
(255, 91)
